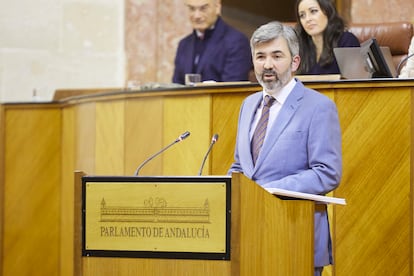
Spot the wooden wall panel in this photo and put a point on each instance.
(2, 182)
(375, 227)
(110, 139)
(226, 110)
(143, 134)
(67, 192)
(186, 113)
(31, 204)
(133, 267)
(85, 143)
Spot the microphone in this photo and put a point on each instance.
(179, 139)
(213, 141)
(402, 62)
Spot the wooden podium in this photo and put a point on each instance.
(267, 235)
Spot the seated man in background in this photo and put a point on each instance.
(214, 50)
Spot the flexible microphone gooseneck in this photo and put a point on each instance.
(213, 141)
(402, 62)
(179, 139)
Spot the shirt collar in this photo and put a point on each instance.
(282, 94)
(206, 32)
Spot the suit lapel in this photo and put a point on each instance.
(247, 121)
(284, 117)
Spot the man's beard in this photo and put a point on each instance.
(273, 85)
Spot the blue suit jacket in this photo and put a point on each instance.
(227, 56)
(301, 152)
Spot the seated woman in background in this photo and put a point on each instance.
(320, 30)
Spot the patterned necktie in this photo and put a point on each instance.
(260, 131)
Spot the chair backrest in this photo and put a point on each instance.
(396, 35)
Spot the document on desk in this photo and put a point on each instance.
(299, 195)
(324, 77)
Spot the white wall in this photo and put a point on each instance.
(55, 44)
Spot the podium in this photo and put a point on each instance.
(213, 225)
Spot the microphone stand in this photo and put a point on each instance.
(179, 139)
(213, 141)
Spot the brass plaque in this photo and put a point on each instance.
(156, 217)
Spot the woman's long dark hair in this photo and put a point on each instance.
(331, 36)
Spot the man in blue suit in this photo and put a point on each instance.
(301, 150)
(214, 49)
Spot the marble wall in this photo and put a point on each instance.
(153, 29)
(51, 44)
(374, 11)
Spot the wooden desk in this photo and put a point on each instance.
(113, 132)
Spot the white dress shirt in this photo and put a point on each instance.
(280, 97)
